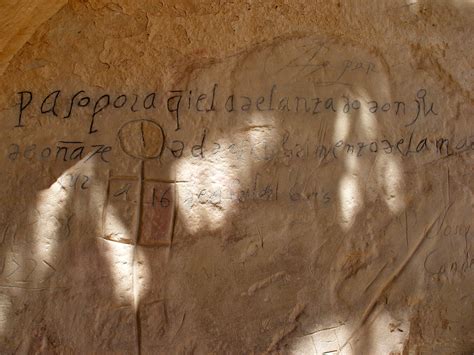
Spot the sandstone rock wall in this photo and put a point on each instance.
(236, 177)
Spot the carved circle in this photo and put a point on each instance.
(142, 139)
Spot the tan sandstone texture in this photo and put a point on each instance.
(236, 177)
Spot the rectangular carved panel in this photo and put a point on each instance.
(157, 216)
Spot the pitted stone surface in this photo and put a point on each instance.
(236, 177)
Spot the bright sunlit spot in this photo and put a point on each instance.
(382, 334)
(341, 127)
(5, 310)
(212, 185)
(120, 258)
(367, 123)
(390, 179)
(50, 225)
(325, 341)
(349, 199)
(205, 200)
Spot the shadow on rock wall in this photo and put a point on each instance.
(303, 196)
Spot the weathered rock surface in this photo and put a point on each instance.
(236, 177)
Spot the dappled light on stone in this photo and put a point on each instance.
(205, 202)
(390, 179)
(210, 178)
(349, 199)
(120, 262)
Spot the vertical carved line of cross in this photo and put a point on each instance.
(141, 179)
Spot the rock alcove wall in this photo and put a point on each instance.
(236, 177)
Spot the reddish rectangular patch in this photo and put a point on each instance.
(157, 213)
